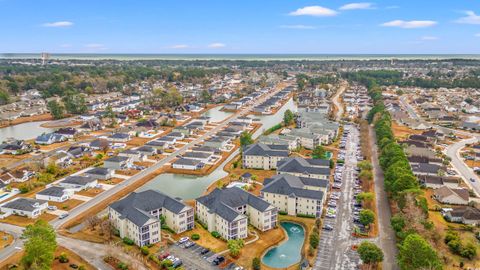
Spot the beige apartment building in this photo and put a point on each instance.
(301, 167)
(263, 156)
(228, 211)
(137, 216)
(295, 195)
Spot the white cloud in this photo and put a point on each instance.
(216, 45)
(429, 38)
(298, 26)
(95, 46)
(409, 24)
(477, 35)
(58, 24)
(180, 46)
(353, 6)
(471, 18)
(316, 11)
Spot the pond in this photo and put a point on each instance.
(24, 131)
(186, 186)
(216, 115)
(289, 251)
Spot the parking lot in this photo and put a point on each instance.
(336, 240)
(195, 257)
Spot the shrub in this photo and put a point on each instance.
(215, 234)
(195, 236)
(128, 241)
(63, 258)
(314, 240)
(256, 264)
(122, 266)
(81, 267)
(306, 216)
(144, 250)
(283, 213)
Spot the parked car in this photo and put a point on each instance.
(62, 216)
(183, 240)
(328, 227)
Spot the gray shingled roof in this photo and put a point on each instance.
(52, 191)
(137, 206)
(98, 171)
(290, 185)
(223, 202)
(187, 161)
(301, 165)
(78, 180)
(24, 204)
(260, 149)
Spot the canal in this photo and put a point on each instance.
(216, 115)
(24, 131)
(190, 187)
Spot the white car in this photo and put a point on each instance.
(183, 240)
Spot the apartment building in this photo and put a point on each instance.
(311, 168)
(228, 211)
(263, 156)
(137, 216)
(295, 195)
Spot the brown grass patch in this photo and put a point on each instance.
(25, 221)
(67, 205)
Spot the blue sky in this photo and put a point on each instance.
(240, 26)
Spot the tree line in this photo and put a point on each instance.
(411, 222)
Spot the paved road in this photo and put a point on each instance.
(387, 239)
(17, 244)
(341, 89)
(335, 246)
(453, 151)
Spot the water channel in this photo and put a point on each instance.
(24, 131)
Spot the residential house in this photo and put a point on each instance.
(228, 211)
(99, 144)
(118, 163)
(202, 156)
(78, 183)
(188, 164)
(465, 215)
(54, 194)
(68, 132)
(434, 181)
(100, 173)
(448, 195)
(27, 207)
(50, 138)
(119, 137)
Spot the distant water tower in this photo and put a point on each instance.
(45, 57)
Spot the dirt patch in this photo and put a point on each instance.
(403, 132)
